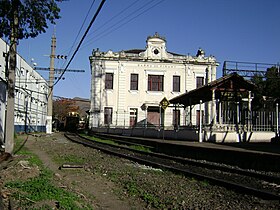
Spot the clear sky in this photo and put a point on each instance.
(235, 30)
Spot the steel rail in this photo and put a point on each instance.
(265, 194)
(200, 163)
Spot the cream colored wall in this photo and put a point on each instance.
(121, 98)
(154, 60)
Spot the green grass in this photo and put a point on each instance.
(73, 159)
(107, 141)
(111, 142)
(150, 199)
(41, 188)
(140, 148)
(21, 150)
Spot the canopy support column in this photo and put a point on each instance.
(213, 109)
(250, 111)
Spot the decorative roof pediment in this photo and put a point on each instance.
(155, 48)
(155, 51)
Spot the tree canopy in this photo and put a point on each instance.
(62, 107)
(268, 88)
(33, 17)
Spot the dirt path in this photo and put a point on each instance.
(96, 189)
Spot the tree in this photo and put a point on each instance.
(272, 83)
(21, 19)
(268, 88)
(258, 101)
(62, 107)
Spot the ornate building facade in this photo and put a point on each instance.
(127, 87)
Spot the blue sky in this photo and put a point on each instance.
(236, 30)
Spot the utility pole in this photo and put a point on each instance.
(52, 71)
(50, 94)
(9, 127)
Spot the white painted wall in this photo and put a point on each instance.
(30, 95)
(123, 64)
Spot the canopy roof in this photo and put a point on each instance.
(230, 83)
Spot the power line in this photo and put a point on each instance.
(104, 32)
(116, 26)
(81, 41)
(86, 17)
(104, 24)
(59, 70)
(114, 17)
(80, 29)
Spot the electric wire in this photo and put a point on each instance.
(81, 41)
(76, 38)
(111, 19)
(103, 25)
(115, 28)
(74, 42)
(105, 32)
(114, 17)
(121, 12)
(109, 30)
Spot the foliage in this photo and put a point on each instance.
(69, 159)
(112, 142)
(268, 88)
(61, 107)
(21, 19)
(19, 149)
(41, 188)
(272, 82)
(140, 148)
(149, 198)
(258, 97)
(107, 141)
(33, 16)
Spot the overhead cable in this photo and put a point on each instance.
(111, 29)
(81, 41)
(80, 30)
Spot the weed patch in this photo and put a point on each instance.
(61, 159)
(40, 192)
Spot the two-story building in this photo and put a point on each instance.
(128, 86)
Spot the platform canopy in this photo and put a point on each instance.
(232, 83)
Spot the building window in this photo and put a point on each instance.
(132, 116)
(134, 82)
(108, 115)
(155, 83)
(176, 83)
(176, 118)
(199, 82)
(109, 80)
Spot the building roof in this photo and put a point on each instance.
(137, 51)
(230, 83)
(134, 51)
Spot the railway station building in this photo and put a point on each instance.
(31, 91)
(129, 87)
(155, 93)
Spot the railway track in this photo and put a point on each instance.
(259, 184)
